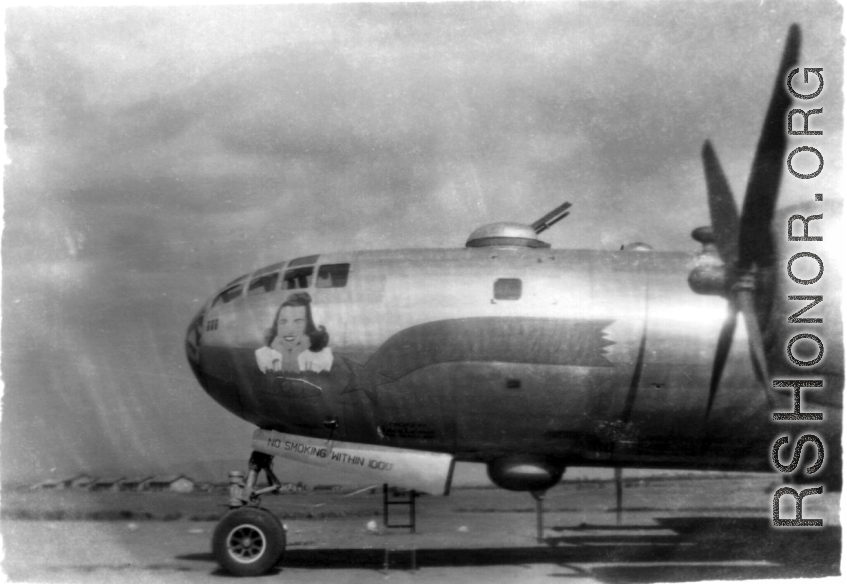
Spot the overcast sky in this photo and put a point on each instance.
(157, 153)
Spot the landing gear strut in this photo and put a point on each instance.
(249, 540)
(539, 514)
(246, 494)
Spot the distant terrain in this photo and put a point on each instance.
(698, 493)
(216, 471)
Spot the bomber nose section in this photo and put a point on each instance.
(193, 342)
(202, 358)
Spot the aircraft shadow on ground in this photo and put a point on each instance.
(698, 548)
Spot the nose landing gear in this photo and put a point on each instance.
(249, 540)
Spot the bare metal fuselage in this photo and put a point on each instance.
(586, 357)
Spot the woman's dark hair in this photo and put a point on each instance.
(318, 337)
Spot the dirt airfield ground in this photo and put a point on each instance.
(671, 531)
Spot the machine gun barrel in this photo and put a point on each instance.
(551, 218)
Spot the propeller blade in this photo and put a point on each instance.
(755, 243)
(721, 353)
(755, 246)
(746, 303)
(722, 208)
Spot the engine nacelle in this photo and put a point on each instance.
(709, 273)
(525, 473)
(708, 277)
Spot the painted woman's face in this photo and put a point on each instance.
(291, 325)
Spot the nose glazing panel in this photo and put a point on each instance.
(193, 343)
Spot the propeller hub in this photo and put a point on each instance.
(704, 235)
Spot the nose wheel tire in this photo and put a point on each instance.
(248, 541)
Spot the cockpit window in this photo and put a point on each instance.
(229, 294)
(304, 261)
(333, 276)
(262, 284)
(298, 278)
(237, 280)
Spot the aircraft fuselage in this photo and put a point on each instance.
(586, 357)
